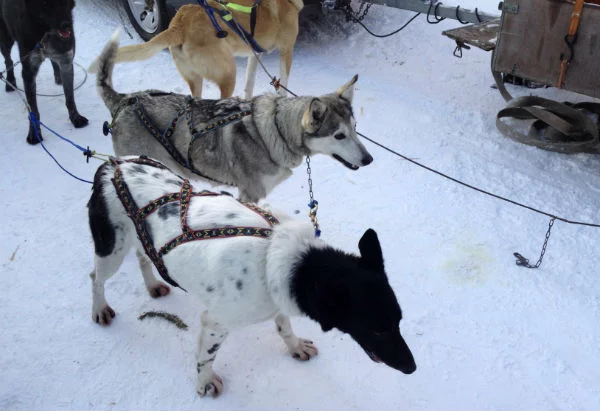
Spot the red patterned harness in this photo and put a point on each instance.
(139, 214)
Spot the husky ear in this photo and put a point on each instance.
(347, 90)
(313, 116)
(370, 250)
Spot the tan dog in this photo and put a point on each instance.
(198, 53)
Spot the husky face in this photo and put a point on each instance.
(329, 127)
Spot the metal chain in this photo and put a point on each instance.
(351, 14)
(524, 262)
(313, 204)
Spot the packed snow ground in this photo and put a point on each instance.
(485, 333)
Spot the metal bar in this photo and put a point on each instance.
(422, 6)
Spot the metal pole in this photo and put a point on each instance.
(422, 6)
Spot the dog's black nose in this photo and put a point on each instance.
(366, 160)
(65, 25)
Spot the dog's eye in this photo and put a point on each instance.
(340, 136)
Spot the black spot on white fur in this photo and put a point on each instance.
(245, 270)
(213, 349)
(231, 215)
(169, 210)
(139, 169)
(239, 284)
(175, 182)
(210, 289)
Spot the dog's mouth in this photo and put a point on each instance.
(64, 34)
(344, 162)
(373, 357)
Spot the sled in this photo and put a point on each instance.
(554, 43)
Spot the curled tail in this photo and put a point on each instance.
(103, 66)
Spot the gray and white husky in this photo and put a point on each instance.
(250, 144)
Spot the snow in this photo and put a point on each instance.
(486, 334)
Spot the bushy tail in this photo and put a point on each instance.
(103, 66)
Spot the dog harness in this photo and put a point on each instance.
(138, 216)
(164, 137)
(227, 17)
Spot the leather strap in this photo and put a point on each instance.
(570, 39)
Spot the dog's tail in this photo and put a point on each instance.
(167, 38)
(103, 66)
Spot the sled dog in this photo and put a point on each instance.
(245, 264)
(251, 144)
(198, 53)
(41, 29)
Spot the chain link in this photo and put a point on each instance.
(313, 204)
(524, 262)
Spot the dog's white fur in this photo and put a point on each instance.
(242, 280)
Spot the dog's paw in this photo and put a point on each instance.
(8, 87)
(103, 316)
(78, 120)
(32, 139)
(305, 350)
(159, 290)
(212, 386)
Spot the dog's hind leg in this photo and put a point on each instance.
(212, 336)
(65, 66)
(56, 70)
(104, 268)
(6, 43)
(300, 348)
(155, 288)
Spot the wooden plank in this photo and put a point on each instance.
(532, 41)
(481, 35)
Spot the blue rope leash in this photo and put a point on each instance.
(86, 152)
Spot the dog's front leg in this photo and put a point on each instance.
(250, 77)
(300, 348)
(212, 336)
(66, 76)
(31, 64)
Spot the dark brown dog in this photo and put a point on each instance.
(42, 28)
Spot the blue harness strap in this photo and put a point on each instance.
(211, 15)
(233, 25)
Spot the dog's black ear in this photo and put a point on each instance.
(314, 115)
(370, 250)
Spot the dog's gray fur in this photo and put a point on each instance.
(254, 154)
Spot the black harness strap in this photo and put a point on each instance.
(138, 217)
(164, 138)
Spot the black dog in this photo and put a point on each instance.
(42, 28)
